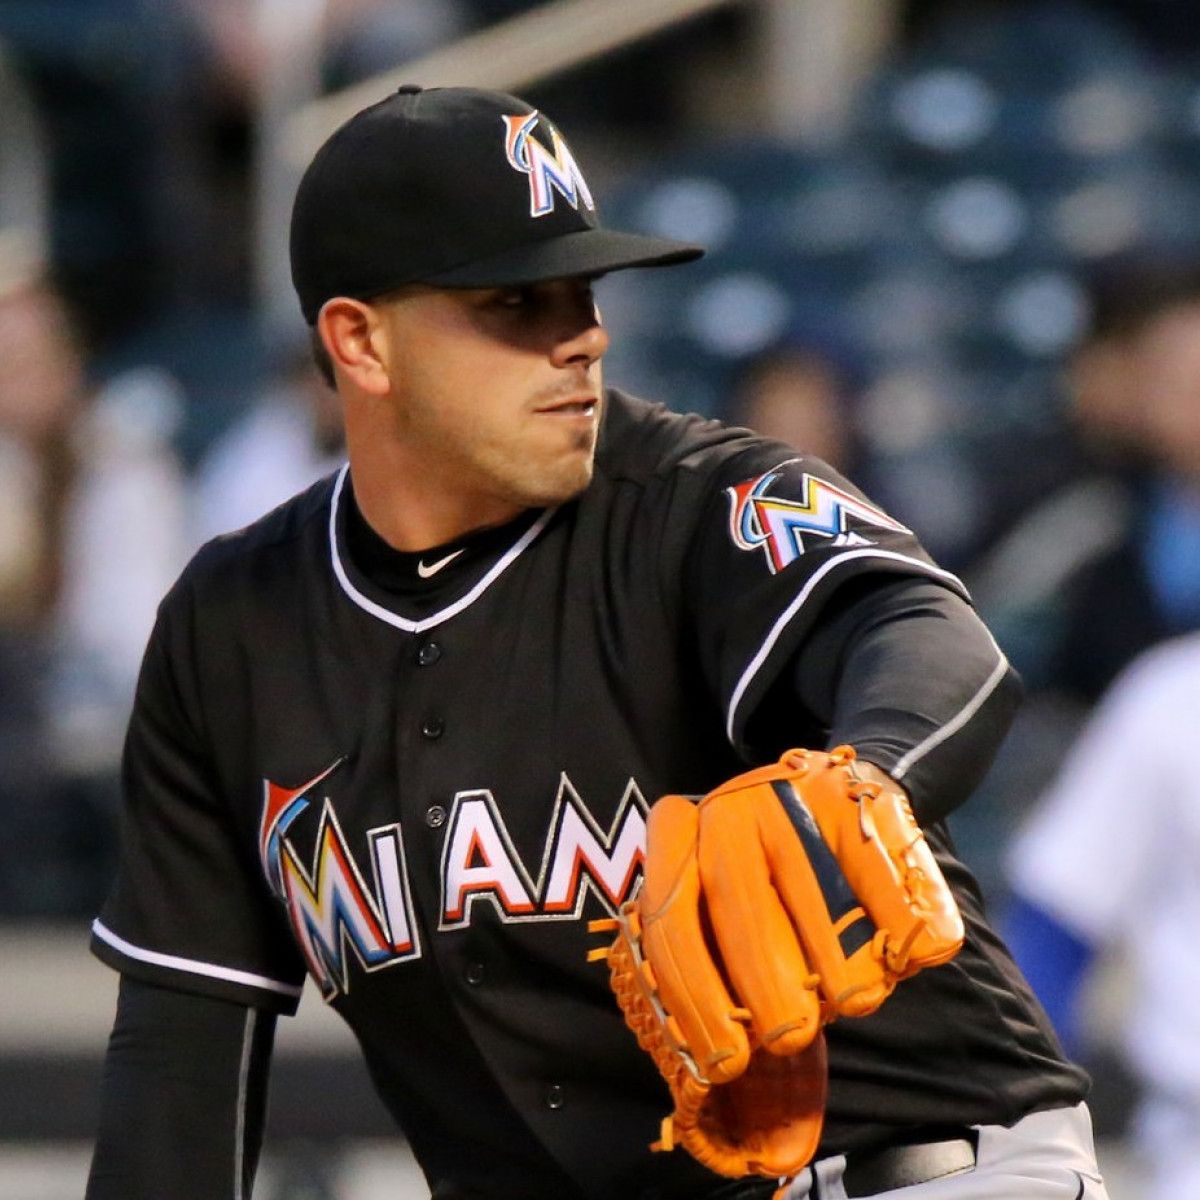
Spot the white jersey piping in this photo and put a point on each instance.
(239, 1146)
(191, 965)
(798, 603)
(444, 614)
(956, 722)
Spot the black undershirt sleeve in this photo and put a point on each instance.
(183, 1097)
(907, 674)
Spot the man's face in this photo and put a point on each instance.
(41, 376)
(1168, 373)
(498, 390)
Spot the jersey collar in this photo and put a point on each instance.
(357, 587)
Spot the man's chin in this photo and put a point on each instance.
(549, 492)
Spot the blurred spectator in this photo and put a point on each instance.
(1146, 586)
(1081, 583)
(39, 400)
(1109, 860)
(1109, 563)
(125, 538)
(796, 394)
(803, 393)
(93, 532)
(287, 441)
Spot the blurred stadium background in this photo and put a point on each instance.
(924, 205)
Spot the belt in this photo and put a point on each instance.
(893, 1167)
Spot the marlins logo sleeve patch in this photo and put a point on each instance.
(779, 534)
(782, 512)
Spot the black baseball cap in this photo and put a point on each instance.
(455, 187)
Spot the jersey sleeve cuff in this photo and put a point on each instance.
(193, 975)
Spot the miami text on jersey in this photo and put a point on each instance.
(479, 861)
(330, 907)
(334, 912)
(777, 524)
(548, 171)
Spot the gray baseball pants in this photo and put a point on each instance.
(1044, 1156)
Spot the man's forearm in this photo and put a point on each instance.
(919, 688)
(183, 1098)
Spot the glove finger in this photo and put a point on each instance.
(919, 911)
(838, 932)
(689, 984)
(762, 956)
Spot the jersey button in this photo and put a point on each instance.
(435, 816)
(433, 728)
(554, 1096)
(428, 654)
(474, 973)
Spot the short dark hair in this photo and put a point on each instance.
(1128, 294)
(322, 359)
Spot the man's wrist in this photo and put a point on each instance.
(872, 773)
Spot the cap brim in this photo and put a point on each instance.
(585, 252)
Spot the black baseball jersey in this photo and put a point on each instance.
(414, 778)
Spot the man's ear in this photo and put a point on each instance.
(350, 332)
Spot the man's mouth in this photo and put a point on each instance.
(571, 406)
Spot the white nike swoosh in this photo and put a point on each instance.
(426, 571)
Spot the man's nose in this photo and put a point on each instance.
(586, 346)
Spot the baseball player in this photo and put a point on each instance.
(401, 735)
(1079, 891)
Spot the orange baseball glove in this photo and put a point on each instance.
(791, 895)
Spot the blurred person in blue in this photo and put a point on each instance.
(93, 528)
(1106, 863)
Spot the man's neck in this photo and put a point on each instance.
(402, 507)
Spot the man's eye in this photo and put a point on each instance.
(514, 297)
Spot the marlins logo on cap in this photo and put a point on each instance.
(548, 171)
